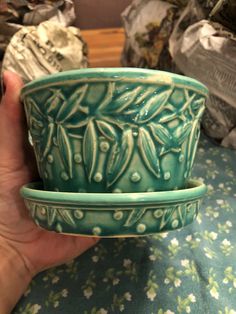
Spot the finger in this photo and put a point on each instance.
(84, 243)
(64, 248)
(73, 246)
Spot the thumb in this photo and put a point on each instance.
(11, 98)
(12, 131)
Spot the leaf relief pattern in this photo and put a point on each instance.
(90, 149)
(65, 149)
(120, 157)
(126, 116)
(106, 130)
(148, 152)
(154, 105)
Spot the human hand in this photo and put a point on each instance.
(20, 239)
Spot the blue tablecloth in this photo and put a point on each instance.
(192, 270)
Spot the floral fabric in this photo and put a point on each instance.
(192, 270)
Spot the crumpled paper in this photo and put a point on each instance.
(14, 14)
(206, 50)
(34, 12)
(148, 25)
(35, 51)
(195, 38)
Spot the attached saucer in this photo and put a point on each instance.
(113, 215)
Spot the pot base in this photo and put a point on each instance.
(113, 215)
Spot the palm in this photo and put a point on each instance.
(39, 248)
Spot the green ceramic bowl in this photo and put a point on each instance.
(113, 215)
(114, 130)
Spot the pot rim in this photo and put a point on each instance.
(128, 75)
(194, 190)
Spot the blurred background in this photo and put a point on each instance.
(92, 14)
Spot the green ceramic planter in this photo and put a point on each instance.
(114, 130)
(113, 215)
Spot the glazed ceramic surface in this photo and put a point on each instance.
(114, 130)
(109, 214)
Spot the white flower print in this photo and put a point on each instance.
(55, 279)
(122, 307)
(226, 242)
(95, 258)
(174, 242)
(64, 293)
(128, 296)
(189, 238)
(192, 298)
(208, 255)
(151, 294)
(88, 292)
(164, 235)
(210, 188)
(185, 262)
(177, 282)
(115, 281)
(152, 257)
(213, 235)
(199, 219)
(214, 293)
(36, 308)
(56, 304)
(127, 262)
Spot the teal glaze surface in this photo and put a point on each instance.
(114, 130)
(112, 215)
